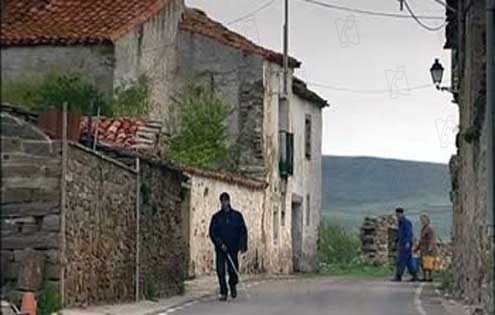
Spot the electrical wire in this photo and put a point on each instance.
(369, 12)
(261, 8)
(423, 25)
(445, 5)
(357, 91)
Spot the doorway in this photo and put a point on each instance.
(297, 234)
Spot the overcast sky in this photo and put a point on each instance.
(366, 57)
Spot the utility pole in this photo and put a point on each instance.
(286, 49)
(490, 115)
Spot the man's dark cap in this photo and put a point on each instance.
(399, 210)
(224, 196)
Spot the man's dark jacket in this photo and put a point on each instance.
(228, 227)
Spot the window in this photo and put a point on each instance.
(275, 226)
(308, 209)
(307, 136)
(286, 159)
(282, 214)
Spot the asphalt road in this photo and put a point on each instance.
(328, 296)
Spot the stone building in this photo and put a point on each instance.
(249, 78)
(472, 248)
(173, 45)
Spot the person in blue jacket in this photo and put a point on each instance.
(228, 233)
(404, 246)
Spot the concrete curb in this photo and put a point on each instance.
(210, 296)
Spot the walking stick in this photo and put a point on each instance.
(237, 273)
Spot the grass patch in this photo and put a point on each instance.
(446, 280)
(339, 254)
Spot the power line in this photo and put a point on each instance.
(445, 5)
(369, 12)
(261, 8)
(423, 25)
(358, 91)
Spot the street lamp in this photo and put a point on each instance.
(436, 71)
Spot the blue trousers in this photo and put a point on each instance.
(404, 260)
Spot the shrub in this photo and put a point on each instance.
(53, 91)
(48, 299)
(201, 140)
(338, 244)
(339, 253)
(132, 98)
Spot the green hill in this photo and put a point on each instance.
(354, 187)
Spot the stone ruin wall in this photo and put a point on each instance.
(377, 234)
(30, 215)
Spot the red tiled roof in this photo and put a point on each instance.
(300, 88)
(196, 21)
(70, 22)
(125, 133)
(224, 177)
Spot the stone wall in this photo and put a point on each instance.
(100, 232)
(151, 49)
(378, 235)
(101, 228)
(473, 251)
(163, 246)
(32, 63)
(204, 201)
(30, 202)
(238, 78)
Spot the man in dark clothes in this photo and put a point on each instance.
(404, 246)
(229, 235)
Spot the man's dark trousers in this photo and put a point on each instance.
(221, 261)
(405, 260)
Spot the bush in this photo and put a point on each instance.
(48, 299)
(53, 91)
(338, 244)
(130, 99)
(339, 253)
(201, 140)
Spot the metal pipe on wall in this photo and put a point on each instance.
(138, 205)
(63, 258)
(490, 115)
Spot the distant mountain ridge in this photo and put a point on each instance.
(357, 186)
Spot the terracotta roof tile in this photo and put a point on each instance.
(126, 133)
(70, 22)
(300, 88)
(196, 21)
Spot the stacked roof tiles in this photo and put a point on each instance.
(126, 133)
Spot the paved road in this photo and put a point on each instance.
(328, 296)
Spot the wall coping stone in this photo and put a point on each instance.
(102, 156)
